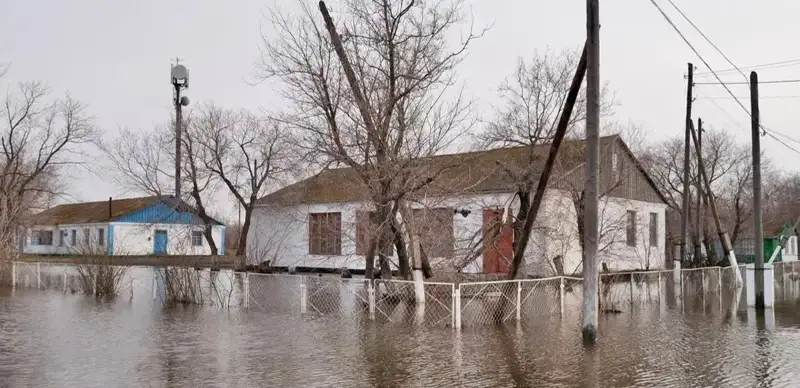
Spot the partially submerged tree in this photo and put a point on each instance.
(373, 91)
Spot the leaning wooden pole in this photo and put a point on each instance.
(590, 230)
(723, 235)
(558, 137)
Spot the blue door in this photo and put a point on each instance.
(160, 242)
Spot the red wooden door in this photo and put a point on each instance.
(497, 242)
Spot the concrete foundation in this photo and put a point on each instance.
(769, 286)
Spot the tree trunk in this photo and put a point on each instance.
(402, 253)
(241, 247)
(207, 222)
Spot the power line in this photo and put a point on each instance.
(759, 97)
(707, 40)
(723, 84)
(782, 81)
(772, 65)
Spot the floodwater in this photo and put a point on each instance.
(56, 339)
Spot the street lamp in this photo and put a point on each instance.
(179, 77)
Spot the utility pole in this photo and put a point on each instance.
(179, 77)
(698, 250)
(590, 275)
(758, 226)
(686, 165)
(723, 235)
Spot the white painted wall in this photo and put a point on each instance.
(790, 253)
(137, 239)
(280, 234)
(129, 239)
(66, 246)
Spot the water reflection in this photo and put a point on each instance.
(53, 339)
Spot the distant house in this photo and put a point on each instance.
(746, 252)
(324, 221)
(131, 226)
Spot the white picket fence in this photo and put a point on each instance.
(393, 301)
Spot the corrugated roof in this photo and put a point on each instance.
(477, 172)
(94, 212)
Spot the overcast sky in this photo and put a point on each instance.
(115, 57)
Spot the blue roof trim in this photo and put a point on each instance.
(161, 213)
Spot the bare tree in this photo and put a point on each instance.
(41, 138)
(376, 97)
(144, 162)
(533, 98)
(245, 152)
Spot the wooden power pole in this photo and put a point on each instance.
(686, 165)
(758, 226)
(723, 235)
(590, 275)
(698, 249)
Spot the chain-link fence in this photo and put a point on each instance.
(402, 301)
(787, 280)
(359, 301)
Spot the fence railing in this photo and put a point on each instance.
(361, 301)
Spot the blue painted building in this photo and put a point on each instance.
(156, 225)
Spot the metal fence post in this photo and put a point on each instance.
(719, 280)
(303, 296)
(246, 301)
(13, 275)
(457, 310)
(519, 300)
(371, 298)
(658, 287)
(561, 288)
(38, 275)
(632, 285)
(94, 282)
(64, 277)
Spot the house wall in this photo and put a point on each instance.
(138, 239)
(66, 246)
(280, 234)
(124, 238)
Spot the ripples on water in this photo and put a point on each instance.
(48, 339)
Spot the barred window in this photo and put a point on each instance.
(367, 225)
(653, 229)
(325, 234)
(435, 229)
(197, 238)
(631, 229)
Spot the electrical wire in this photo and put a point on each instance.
(759, 97)
(707, 40)
(723, 84)
(782, 81)
(772, 65)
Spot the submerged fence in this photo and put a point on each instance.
(395, 301)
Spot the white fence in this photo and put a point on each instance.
(362, 301)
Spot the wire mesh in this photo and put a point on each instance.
(488, 302)
(647, 287)
(395, 301)
(337, 298)
(540, 297)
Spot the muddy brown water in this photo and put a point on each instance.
(53, 339)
